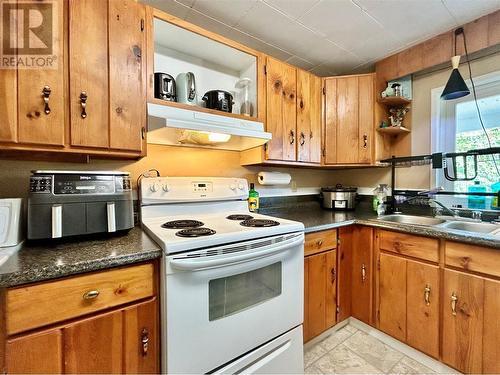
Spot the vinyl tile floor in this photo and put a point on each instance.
(352, 351)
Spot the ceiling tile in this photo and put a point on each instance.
(258, 45)
(208, 23)
(410, 21)
(376, 47)
(341, 21)
(172, 7)
(293, 8)
(343, 62)
(322, 71)
(301, 63)
(468, 10)
(226, 11)
(364, 68)
(267, 24)
(188, 3)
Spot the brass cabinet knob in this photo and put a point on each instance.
(46, 95)
(91, 294)
(83, 103)
(454, 299)
(144, 342)
(363, 273)
(427, 295)
(292, 137)
(302, 139)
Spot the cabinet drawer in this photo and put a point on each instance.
(37, 305)
(406, 244)
(320, 241)
(473, 258)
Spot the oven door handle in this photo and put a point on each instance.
(198, 264)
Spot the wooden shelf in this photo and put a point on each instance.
(394, 130)
(202, 109)
(394, 101)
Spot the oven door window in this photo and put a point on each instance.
(231, 294)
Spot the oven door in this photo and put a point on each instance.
(226, 301)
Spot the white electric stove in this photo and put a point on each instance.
(232, 281)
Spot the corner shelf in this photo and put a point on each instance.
(393, 130)
(394, 101)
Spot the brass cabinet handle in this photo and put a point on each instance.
(91, 294)
(310, 134)
(454, 299)
(144, 342)
(363, 273)
(46, 94)
(83, 103)
(302, 138)
(333, 272)
(365, 141)
(292, 137)
(319, 243)
(427, 295)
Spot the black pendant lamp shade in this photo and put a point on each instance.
(455, 87)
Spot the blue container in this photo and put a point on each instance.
(477, 202)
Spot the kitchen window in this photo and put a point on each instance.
(456, 128)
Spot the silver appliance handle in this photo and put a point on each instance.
(198, 264)
(57, 221)
(110, 207)
(191, 86)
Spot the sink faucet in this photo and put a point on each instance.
(425, 195)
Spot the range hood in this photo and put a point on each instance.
(169, 125)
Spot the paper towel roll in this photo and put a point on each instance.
(273, 178)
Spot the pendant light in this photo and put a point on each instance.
(455, 87)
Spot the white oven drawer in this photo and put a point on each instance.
(233, 302)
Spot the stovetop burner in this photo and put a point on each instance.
(239, 217)
(180, 224)
(259, 223)
(195, 232)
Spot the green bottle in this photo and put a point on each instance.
(253, 199)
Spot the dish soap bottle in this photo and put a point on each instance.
(477, 202)
(253, 199)
(379, 196)
(494, 201)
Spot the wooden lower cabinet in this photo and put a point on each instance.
(362, 274)
(491, 333)
(319, 293)
(110, 343)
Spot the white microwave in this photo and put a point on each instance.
(11, 222)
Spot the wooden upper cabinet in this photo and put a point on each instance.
(463, 301)
(281, 92)
(8, 105)
(127, 68)
(308, 117)
(88, 65)
(349, 119)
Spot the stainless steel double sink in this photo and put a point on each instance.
(460, 225)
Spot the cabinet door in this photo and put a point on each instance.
(347, 120)
(281, 110)
(308, 117)
(95, 345)
(39, 353)
(422, 307)
(463, 321)
(8, 105)
(331, 121)
(366, 118)
(141, 339)
(320, 293)
(362, 260)
(88, 64)
(126, 74)
(491, 335)
(392, 296)
(40, 123)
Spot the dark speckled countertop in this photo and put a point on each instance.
(315, 219)
(49, 260)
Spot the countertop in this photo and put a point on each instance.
(316, 219)
(45, 260)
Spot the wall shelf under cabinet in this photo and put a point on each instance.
(393, 130)
(394, 101)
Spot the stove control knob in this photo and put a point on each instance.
(232, 187)
(165, 187)
(154, 187)
(240, 186)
